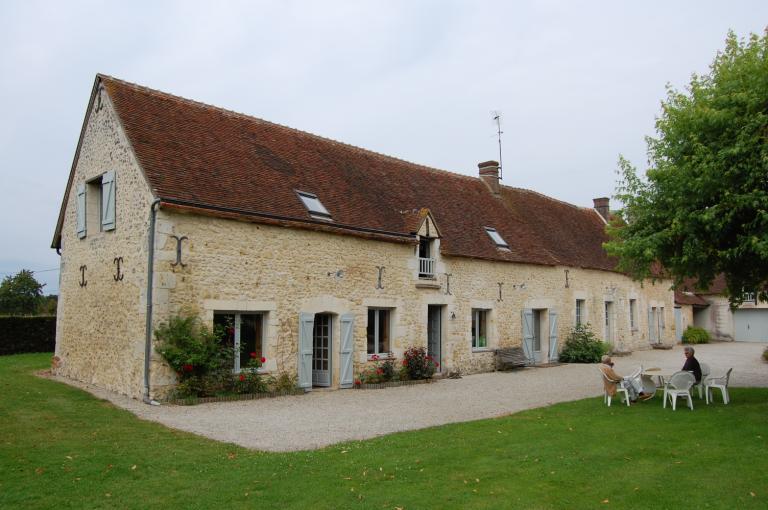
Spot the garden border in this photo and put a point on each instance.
(391, 384)
(192, 401)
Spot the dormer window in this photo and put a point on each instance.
(313, 204)
(496, 237)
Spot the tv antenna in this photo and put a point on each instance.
(499, 132)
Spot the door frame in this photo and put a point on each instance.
(438, 311)
(331, 331)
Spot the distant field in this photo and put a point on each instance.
(62, 448)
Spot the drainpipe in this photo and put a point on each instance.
(150, 274)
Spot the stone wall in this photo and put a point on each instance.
(100, 326)
(234, 265)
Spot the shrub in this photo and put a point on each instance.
(582, 346)
(197, 355)
(284, 382)
(377, 372)
(418, 364)
(765, 354)
(694, 335)
(27, 334)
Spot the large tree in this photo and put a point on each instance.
(20, 294)
(702, 208)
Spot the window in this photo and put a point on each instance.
(479, 329)
(314, 206)
(496, 238)
(579, 311)
(750, 297)
(632, 314)
(662, 325)
(426, 261)
(96, 205)
(378, 331)
(244, 333)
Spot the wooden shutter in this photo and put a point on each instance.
(651, 336)
(553, 335)
(306, 325)
(81, 231)
(528, 335)
(346, 372)
(108, 201)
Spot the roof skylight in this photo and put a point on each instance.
(496, 238)
(314, 205)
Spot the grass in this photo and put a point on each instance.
(62, 448)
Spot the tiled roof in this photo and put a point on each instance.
(717, 287)
(689, 298)
(199, 156)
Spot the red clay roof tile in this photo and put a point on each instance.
(205, 157)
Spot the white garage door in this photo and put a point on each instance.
(751, 325)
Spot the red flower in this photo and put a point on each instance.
(437, 364)
(357, 382)
(263, 359)
(187, 367)
(253, 355)
(242, 377)
(379, 371)
(405, 362)
(375, 357)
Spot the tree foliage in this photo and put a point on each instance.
(21, 294)
(703, 207)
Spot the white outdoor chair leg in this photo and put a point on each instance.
(707, 391)
(690, 401)
(665, 399)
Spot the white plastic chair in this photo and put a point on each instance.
(705, 371)
(718, 382)
(619, 389)
(679, 385)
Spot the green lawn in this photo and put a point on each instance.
(62, 448)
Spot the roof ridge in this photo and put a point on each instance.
(525, 190)
(241, 115)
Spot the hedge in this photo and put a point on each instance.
(27, 334)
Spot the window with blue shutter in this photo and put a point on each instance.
(108, 201)
(81, 231)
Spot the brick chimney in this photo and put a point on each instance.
(489, 173)
(602, 205)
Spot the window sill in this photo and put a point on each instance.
(427, 284)
(482, 349)
(387, 356)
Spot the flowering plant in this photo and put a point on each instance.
(377, 372)
(249, 380)
(418, 364)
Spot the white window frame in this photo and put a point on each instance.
(475, 328)
(377, 330)
(580, 306)
(236, 368)
(313, 204)
(496, 237)
(633, 314)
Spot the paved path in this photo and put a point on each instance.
(321, 418)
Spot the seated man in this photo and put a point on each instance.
(691, 363)
(612, 380)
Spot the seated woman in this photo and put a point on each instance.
(612, 380)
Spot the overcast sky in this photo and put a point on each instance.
(577, 83)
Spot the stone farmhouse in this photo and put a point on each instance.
(322, 254)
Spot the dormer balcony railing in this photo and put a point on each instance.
(426, 267)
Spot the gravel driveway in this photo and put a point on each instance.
(321, 418)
